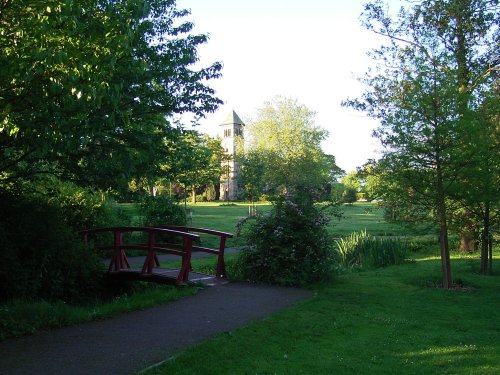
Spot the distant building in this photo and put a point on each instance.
(231, 129)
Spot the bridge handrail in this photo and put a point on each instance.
(196, 230)
(221, 267)
(119, 259)
(124, 229)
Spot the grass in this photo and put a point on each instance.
(22, 318)
(214, 215)
(224, 218)
(385, 321)
(389, 320)
(364, 216)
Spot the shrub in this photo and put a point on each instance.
(289, 245)
(41, 256)
(349, 195)
(162, 210)
(361, 249)
(81, 208)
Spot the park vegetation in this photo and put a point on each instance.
(90, 97)
(283, 152)
(435, 92)
(290, 244)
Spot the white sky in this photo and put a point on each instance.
(308, 50)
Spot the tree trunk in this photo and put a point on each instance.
(485, 266)
(193, 195)
(152, 190)
(443, 231)
(468, 242)
(445, 254)
(490, 250)
(217, 191)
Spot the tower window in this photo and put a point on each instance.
(227, 132)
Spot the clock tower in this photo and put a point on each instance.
(231, 132)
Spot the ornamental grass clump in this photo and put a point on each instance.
(290, 245)
(360, 249)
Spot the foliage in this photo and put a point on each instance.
(41, 256)
(432, 76)
(349, 195)
(87, 87)
(81, 208)
(162, 210)
(251, 180)
(351, 180)
(197, 160)
(284, 150)
(360, 249)
(210, 193)
(290, 245)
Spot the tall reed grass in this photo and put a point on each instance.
(361, 249)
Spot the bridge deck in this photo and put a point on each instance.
(165, 276)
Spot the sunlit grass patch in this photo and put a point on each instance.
(371, 322)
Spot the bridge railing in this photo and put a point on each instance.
(221, 269)
(152, 246)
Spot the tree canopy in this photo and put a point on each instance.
(284, 149)
(433, 76)
(88, 88)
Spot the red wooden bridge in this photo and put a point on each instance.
(174, 240)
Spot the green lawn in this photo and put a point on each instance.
(358, 216)
(364, 216)
(223, 217)
(386, 321)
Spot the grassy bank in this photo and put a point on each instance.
(385, 321)
(20, 318)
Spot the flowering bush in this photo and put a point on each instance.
(288, 246)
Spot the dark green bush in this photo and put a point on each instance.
(349, 195)
(81, 208)
(289, 246)
(162, 210)
(42, 258)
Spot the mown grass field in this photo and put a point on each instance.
(357, 216)
(364, 216)
(213, 215)
(393, 320)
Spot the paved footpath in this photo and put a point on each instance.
(131, 342)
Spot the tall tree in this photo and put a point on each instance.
(420, 92)
(196, 160)
(251, 179)
(472, 37)
(86, 86)
(287, 141)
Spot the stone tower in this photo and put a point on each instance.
(231, 130)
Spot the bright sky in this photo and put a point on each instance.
(308, 50)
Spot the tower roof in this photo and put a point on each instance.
(232, 118)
